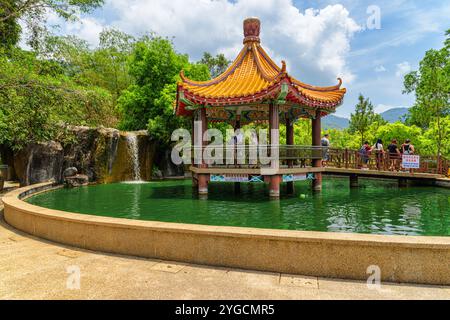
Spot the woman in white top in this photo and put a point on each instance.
(379, 151)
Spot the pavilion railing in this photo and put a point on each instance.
(256, 156)
(303, 156)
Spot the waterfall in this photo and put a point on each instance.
(113, 145)
(132, 143)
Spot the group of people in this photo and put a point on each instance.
(395, 153)
(393, 149)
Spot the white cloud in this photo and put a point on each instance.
(380, 68)
(403, 68)
(315, 43)
(86, 28)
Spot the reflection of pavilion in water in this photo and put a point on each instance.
(254, 89)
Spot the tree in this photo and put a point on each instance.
(148, 103)
(431, 85)
(105, 66)
(33, 12)
(37, 101)
(9, 28)
(400, 132)
(363, 118)
(429, 138)
(216, 65)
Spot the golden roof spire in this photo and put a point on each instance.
(252, 28)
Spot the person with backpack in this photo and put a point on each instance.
(407, 147)
(394, 155)
(364, 153)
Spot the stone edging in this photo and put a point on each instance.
(415, 259)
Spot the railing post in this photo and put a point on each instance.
(439, 164)
(346, 158)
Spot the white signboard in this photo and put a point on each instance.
(410, 161)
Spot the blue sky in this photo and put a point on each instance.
(320, 40)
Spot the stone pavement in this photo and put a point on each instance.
(32, 268)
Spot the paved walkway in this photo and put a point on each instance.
(31, 268)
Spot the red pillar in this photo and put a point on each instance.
(202, 184)
(274, 124)
(317, 163)
(274, 186)
(289, 142)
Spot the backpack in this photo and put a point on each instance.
(363, 151)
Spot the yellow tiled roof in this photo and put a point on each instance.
(255, 77)
(250, 73)
(326, 94)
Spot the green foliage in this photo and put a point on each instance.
(363, 118)
(105, 66)
(431, 136)
(344, 139)
(216, 65)
(155, 67)
(302, 133)
(37, 101)
(34, 13)
(401, 132)
(9, 28)
(66, 82)
(431, 85)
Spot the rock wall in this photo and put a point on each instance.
(103, 154)
(166, 166)
(39, 162)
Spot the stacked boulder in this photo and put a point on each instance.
(73, 179)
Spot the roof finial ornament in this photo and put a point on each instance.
(182, 76)
(251, 30)
(283, 66)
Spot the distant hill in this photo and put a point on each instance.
(391, 115)
(334, 122)
(395, 114)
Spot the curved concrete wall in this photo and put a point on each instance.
(340, 255)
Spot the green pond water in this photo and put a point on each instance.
(377, 207)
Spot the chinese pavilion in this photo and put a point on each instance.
(255, 89)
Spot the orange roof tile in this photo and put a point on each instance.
(248, 75)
